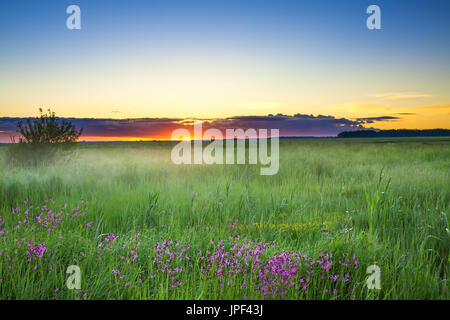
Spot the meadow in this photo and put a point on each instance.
(140, 227)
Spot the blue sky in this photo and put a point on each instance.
(225, 58)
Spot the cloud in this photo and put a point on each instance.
(291, 125)
(375, 119)
(162, 128)
(361, 108)
(444, 107)
(434, 110)
(401, 95)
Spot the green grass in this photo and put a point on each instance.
(385, 201)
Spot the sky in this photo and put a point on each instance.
(311, 67)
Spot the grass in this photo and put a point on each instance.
(385, 202)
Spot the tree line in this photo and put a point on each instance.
(395, 133)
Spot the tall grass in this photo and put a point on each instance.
(384, 201)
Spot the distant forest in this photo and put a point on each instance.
(394, 133)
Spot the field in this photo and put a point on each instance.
(140, 227)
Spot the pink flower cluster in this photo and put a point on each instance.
(35, 250)
(127, 249)
(44, 218)
(30, 220)
(270, 272)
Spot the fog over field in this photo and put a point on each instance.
(139, 226)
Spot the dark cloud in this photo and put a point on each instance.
(157, 128)
(296, 125)
(375, 119)
(140, 127)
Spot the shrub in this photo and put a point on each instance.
(42, 139)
